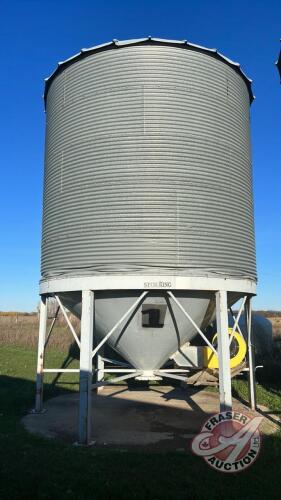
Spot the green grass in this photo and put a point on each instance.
(267, 395)
(32, 467)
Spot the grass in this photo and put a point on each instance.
(38, 468)
(22, 330)
(267, 395)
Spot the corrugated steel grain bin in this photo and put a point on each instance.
(148, 172)
(148, 165)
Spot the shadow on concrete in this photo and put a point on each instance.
(140, 418)
(158, 418)
(37, 468)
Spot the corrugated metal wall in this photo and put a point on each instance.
(148, 166)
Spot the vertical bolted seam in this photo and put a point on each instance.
(61, 173)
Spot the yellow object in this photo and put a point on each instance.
(211, 360)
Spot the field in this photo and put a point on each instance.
(22, 329)
(33, 467)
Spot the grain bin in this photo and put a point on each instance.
(148, 210)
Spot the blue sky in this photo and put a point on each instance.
(35, 35)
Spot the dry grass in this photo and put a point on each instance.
(17, 328)
(275, 318)
(22, 330)
(276, 327)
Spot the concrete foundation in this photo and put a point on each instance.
(160, 417)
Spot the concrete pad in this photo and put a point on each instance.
(156, 417)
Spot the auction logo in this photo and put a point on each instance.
(229, 441)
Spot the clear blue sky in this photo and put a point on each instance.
(36, 34)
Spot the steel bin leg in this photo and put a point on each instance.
(223, 351)
(250, 355)
(100, 368)
(87, 324)
(40, 354)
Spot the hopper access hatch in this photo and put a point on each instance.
(153, 315)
